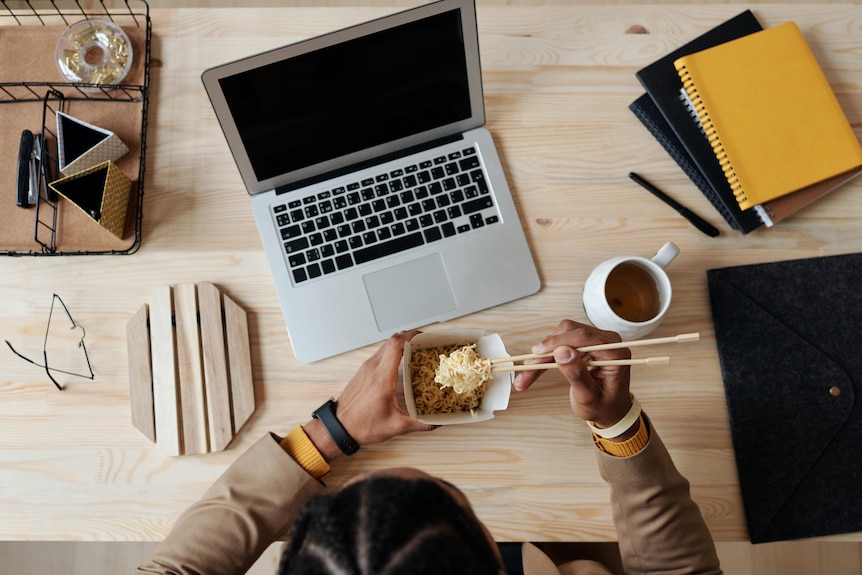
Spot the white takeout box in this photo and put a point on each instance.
(496, 396)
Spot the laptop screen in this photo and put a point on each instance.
(351, 96)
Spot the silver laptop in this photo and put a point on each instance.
(379, 197)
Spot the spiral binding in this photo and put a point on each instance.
(695, 104)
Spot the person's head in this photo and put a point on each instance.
(395, 522)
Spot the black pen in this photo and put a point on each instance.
(692, 217)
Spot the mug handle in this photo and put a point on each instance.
(666, 254)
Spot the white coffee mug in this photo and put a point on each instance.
(629, 294)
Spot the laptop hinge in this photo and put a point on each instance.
(368, 163)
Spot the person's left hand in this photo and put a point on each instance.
(368, 408)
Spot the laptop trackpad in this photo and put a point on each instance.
(410, 292)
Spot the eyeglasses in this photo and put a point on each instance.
(45, 366)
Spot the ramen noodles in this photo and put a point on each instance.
(431, 396)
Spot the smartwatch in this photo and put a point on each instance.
(325, 414)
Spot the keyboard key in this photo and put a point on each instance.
(344, 261)
(279, 208)
(439, 160)
(368, 181)
(387, 218)
(464, 228)
(364, 210)
(425, 164)
(440, 217)
(437, 173)
(411, 168)
(477, 204)
(352, 186)
(353, 198)
(343, 230)
(425, 220)
(382, 177)
(358, 226)
(282, 219)
(313, 271)
(311, 211)
(328, 266)
(381, 190)
(492, 220)
(290, 232)
(308, 227)
(294, 204)
(411, 225)
(325, 207)
(296, 260)
(454, 155)
(390, 247)
(297, 216)
(469, 151)
(396, 186)
(448, 229)
(369, 238)
(296, 245)
(383, 234)
(322, 222)
(454, 212)
(330, 235)
(433, 234)
(355, 242)
(340, 246)
(324, 195)
(410, 181)
(367, 194)
(451, 169)
(312, 255)
(398, 229)
(336, 218)
(299, 275)
(309, 200)
(476, 221)
(372, 222)
(424, 177)
(469, 163)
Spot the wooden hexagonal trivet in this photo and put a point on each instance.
(190, 378)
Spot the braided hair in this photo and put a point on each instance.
(387, 526)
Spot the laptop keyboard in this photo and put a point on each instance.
(379, 216)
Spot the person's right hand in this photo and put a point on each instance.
(597, 394)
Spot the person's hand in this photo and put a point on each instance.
(598, 394)
(368, 408)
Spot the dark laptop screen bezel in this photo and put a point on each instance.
(218, 82)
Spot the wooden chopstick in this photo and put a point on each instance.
(682, 338)
(596, 363)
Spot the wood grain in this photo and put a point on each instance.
(558, 80)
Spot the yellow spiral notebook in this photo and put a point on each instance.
(770, 114)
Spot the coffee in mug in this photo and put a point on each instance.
(630, 294)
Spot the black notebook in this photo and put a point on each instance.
(789, 337)
(661, 81)
(653, 120)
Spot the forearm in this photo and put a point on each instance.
(249, 507)
(659, 527)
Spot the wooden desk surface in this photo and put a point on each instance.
(558, 81)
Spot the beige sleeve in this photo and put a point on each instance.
(659, 527)
(244, 511)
